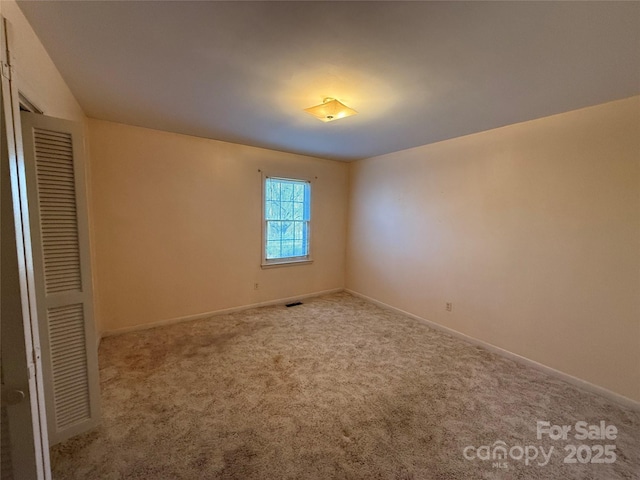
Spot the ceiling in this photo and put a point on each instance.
(417, 72)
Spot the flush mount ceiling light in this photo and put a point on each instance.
(330, 109)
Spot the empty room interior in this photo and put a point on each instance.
(320, 240)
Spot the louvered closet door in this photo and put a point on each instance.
(54, 156)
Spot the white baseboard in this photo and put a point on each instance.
(198, 316)
(616, 397)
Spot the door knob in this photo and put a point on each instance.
(11, 397)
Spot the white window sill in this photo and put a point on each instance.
(285, 262)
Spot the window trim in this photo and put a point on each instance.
(287, 261)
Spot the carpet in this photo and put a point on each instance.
(336, 388)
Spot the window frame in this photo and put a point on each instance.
(286, 261)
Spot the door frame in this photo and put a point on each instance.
(20, 206)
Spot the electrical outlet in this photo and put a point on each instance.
(256, 286)
(449, 306)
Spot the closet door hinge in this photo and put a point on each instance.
(6, 70)
(33, 361)
(36, 355)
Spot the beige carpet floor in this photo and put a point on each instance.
(336, 388)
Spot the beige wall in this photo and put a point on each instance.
(177, 223)
(532, 231)
(37, 77)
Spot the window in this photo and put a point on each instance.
(287, 213)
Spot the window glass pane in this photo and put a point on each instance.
(273, 231)
(273, 190)
(272, 210)
(286, 210)
(286, 192)
(287, 248)
(273, 249)
(286, 230)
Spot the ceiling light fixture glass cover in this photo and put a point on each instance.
(330, 109)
